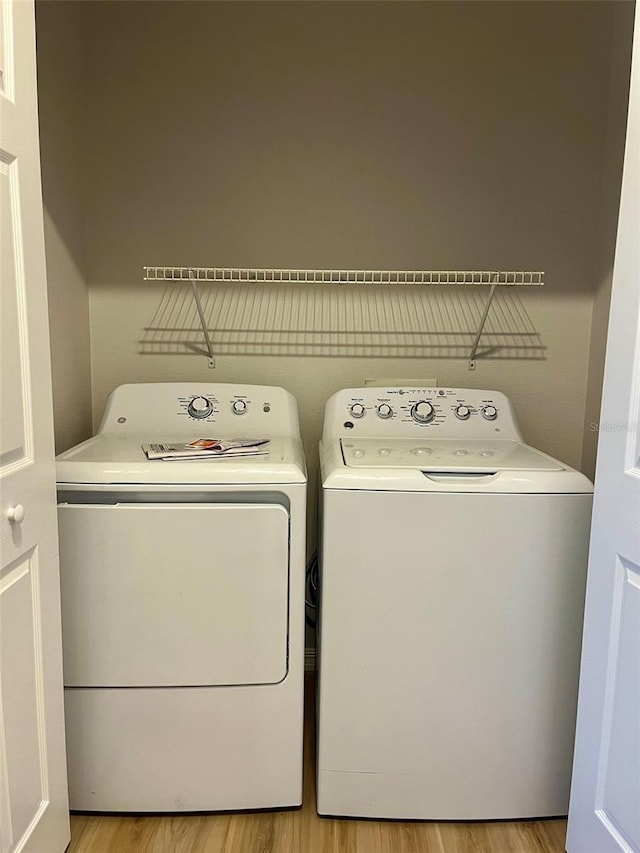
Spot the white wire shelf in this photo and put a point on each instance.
(235, 317)
(294, 276)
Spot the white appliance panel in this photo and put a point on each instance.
(450, 639)
(118, 458)
(446, 455)
(186, 749)
(211, 409)
(167, 594)
(424, 413)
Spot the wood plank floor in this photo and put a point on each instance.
(302, 831)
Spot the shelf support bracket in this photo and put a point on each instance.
(483, 320)
(203, 322)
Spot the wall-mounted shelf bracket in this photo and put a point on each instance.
(483, 320)
(197, 276)
(203, 322)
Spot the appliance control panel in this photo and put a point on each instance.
(207, 409)
(208, 406)
(425, 412)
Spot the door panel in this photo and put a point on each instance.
(21, 666)
(14, 343)
(33, 788)
(604, 816)
(174, 594)
(621, 728)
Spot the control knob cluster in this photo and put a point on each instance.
(463, 412)
(200, 407)
(383, 410)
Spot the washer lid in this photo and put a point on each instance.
(113, 458)
(446, 455)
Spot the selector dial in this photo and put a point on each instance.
(490, 413)
(463, 412)
(423, 412)
(384, 411)
(356, 410)
(239, 407)
(199, 407)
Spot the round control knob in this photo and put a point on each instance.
(384, 451)
(490, 413)
(423, 412)
(200, 407)
(358, 452)
(384, 411)
(239, 407)
(463, 413)
(16, 514)
(356, 410)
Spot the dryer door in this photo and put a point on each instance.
(174, 594)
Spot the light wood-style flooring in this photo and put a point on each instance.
(302, 831)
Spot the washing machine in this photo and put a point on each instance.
(452, 577)
(183, 604)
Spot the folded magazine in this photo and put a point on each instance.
(207, 448)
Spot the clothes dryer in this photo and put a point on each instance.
(183, 604)
(452, 577)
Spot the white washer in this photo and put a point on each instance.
(183, 605)
(453, 563)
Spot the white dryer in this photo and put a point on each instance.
(183, 604)
(452, 577)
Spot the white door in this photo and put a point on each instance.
(33, 792)
(604, 815)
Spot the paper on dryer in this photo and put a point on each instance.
(207, 448)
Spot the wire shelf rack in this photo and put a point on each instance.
(295, 276)
(235, 317)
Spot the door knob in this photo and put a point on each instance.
(16, 514)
